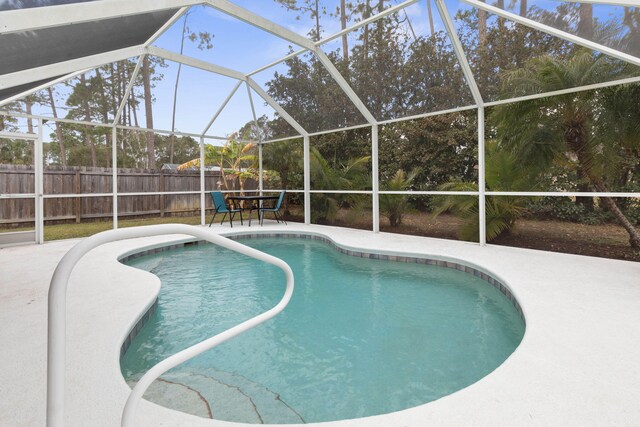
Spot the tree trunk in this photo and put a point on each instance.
(317, 13)
(113, 95)
(482, 28)
(148, 108)
(28, 104)
(500, 5)
(87, 117)
(104, 110)
(63, 152)
(365, 14)
(634, 236)
(413, 33)
(585, 25)
(343, 25)
(586, 202)
(523, 7)
(430, 13)
(576, 137)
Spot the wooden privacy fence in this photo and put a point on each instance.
(66, 180)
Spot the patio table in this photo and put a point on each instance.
(254, 202)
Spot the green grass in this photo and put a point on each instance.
(84, 229)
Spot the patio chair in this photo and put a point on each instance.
(221, 207)
(275, 209)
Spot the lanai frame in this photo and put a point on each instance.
(33, 19)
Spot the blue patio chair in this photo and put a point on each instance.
(221, 207)
(275, 209)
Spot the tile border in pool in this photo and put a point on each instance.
(487, 277)
(137, 327)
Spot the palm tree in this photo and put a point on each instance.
(353, 175)
(236, 160)
(503, 172)
(285, 158)
(550, 129)
(393, 205)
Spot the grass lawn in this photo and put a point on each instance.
(84, 229)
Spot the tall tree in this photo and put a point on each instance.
(631, 20)
(543, 130)
(58, 125)
(430, 14)
(85, 94)
(148, 109)
(482, 28)
(343, 26)
(103, 108)
(585, 24)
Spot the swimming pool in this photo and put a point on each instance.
(360, 336)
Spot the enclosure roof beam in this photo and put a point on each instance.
(125, 97)
(253, 112)
(344, 85)
(556, 32)
(260, 22)
(610, 83)
(55, 70)
(269, 100)
(338, 34)
(462, 57)
(367, 21)
(42, 86)
(166, 26)
(277, 61)
(54, 16)
(609, 2)
(222, 107)
(196, 63)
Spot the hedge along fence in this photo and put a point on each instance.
(15, 179)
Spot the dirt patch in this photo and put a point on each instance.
(606, 241)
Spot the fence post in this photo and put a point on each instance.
(162, 201)
(77, 200)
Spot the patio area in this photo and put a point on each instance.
(459, 131)
(577, 364)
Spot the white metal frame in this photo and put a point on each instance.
(37, 195)
(28, 19)
(56, 353)
(66, 67)
(555, 32)
(32, 19)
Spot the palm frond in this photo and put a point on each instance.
(190, 164)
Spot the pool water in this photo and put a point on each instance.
(360, 337)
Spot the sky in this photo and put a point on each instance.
(244, 48)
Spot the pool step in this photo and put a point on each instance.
(211, 393)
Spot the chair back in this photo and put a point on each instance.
(279, 200)
(218, 201)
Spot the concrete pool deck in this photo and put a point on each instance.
(578, 363)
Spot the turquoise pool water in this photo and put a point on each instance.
(360, 337)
